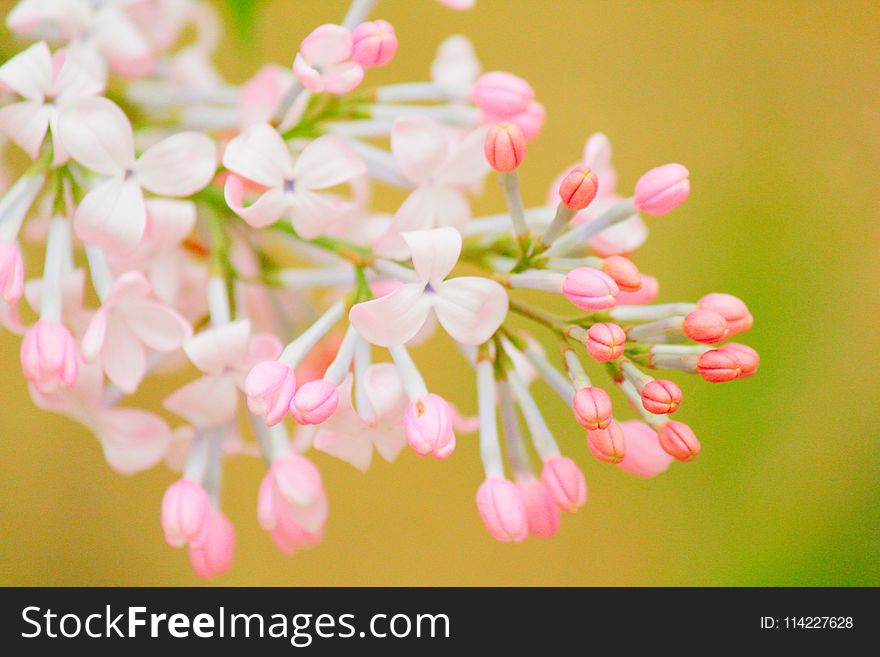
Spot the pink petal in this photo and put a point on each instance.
(455, 64)
(466, 164)
(123, 356)
(433, 252)
(206, 402)
(113, 214)
(392, 319)
(126, 287)
(261, 346)
(470, 308)
(266, 210)
(156, 325)
(29, 73)
(342, 78)
(385, 390)
(327, 161)
(390, 441)
(133, 440)
(168, 222)
(179, 165)
(93, 339)
(312, 214)
(74, 81)
(259, 154)
(97, 134)
(127, 50)
(326, 45)
(419, 146)
(217, 349)
(350, 446)
(26, 124)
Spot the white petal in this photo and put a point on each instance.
(466, 165)
(327, 161)
(419, 146)
(26, 124)
(259, 154)
(471, 308)
(74, 81)
(217, 349)
(455, 64)
(123, 356)
(156, 325)
(393, 319)
(326, 45)
(352, 446)
(433, 252)
(29, 73)
(112, 214)
(266, 210)
(133, 440)
(97, 134)
(385, 390)
(311, 213)
(179, 165)
(206, 402)
(168, 222)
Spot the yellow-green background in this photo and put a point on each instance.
(774, 108)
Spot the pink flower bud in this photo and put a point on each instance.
(592, 408)
(504, 147)
(678, 440)
(502, 94)
(605, 342)
(49, 356)
(578, 188)
(428, 426)
(11, 273)
(565, 483)
(269, 387)
(212, 556)
(503, 510)
(374, 43)
(705, 326)
(731, 308)
(185, 512)
(624, 273)
(661, 397)
(607, 444)
(590, 289)
(530, 121)
(719, 365)
(647, 293)
(542, 513)
(644, 457)
(748, 358)
(314, 402)
(662, 189)
(292, 503)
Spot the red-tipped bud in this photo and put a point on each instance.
(661, 397)
(504, 147)
(503, 510)
(578, 188)
(624, 272)
(647, 293)
(678, 440)
(748, 358)
(731, 308)
(706, 326)
(662, 189)
(590, 289)
(542, 513)
(609, 444)
(719, 365)
(566, 483)
(592, 408)
(605, 342)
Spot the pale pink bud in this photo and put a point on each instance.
(590, 289)
(49, 356)
(542, 513)
(186, 509)
(748, 358)
(314, 402)
(662, 189)
(503, 510)
(269, 387)
(11, 272)
(428, 426)
(578, 189)
(565, 483)
(374, 43)
(592, 408)
(661, 397)
(705, 326)
(607, 444)
(644, 457)
(647, 293)
(504, 147)
(212, 556)
(502, 94)
(677, 439)
(731, 308)
(719, 365)
(605, 342)
(624, 273)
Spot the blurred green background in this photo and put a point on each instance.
(774, 108)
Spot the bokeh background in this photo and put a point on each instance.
(775, 108)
